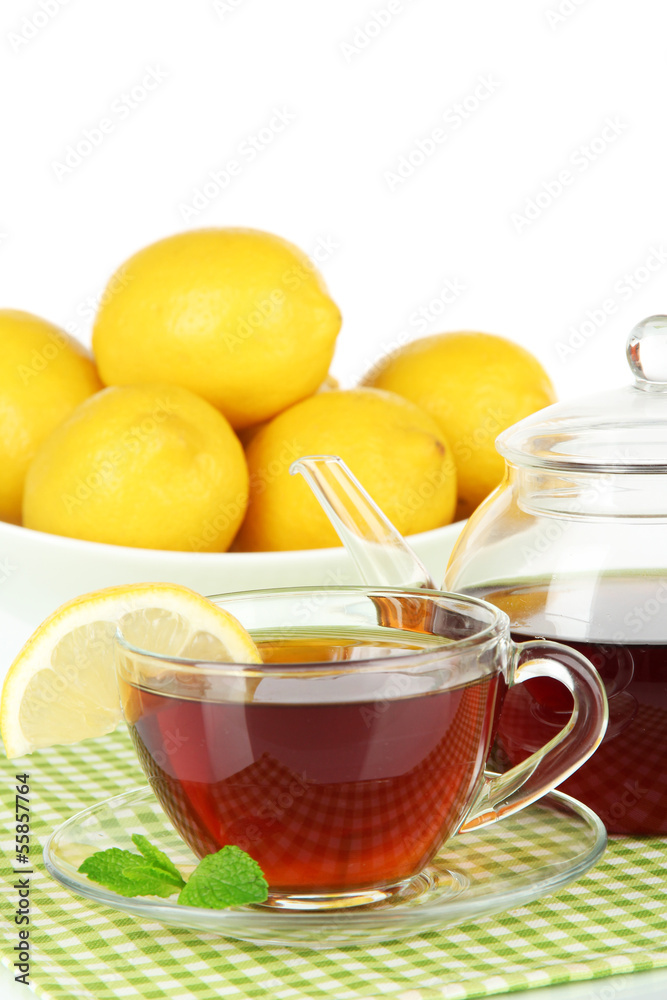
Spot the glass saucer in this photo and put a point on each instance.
(500, 867)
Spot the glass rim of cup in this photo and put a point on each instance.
(489, 634)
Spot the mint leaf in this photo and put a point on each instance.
(131, 874)
(229, 877)
(157, 857)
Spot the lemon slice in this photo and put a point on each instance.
(61, 688)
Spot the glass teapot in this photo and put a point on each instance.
(573, 546)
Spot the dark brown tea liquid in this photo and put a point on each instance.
(622, 629)
(329, 796)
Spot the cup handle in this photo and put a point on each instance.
(504, 794)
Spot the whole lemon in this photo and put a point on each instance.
(396, 451)
(239, 316)
(475, 385)
(151, 466)
(44, 374)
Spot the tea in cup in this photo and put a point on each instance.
(345, 761)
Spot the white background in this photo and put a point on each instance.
(360, 94)
(363, 84)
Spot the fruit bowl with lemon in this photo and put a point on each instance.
(164, 455)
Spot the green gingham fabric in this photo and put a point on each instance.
(614, 920)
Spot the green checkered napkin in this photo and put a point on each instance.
(613, 920)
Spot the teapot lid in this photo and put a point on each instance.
(614, 431)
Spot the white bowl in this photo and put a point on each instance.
(38, 572)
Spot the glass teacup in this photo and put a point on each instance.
(346, 760)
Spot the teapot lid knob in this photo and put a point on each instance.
(647, 353)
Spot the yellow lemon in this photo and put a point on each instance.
(248, 433)
(239, 316)
(475, 385)
(151, 466)
(395, 449)
(44, 374)
(62, 688)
